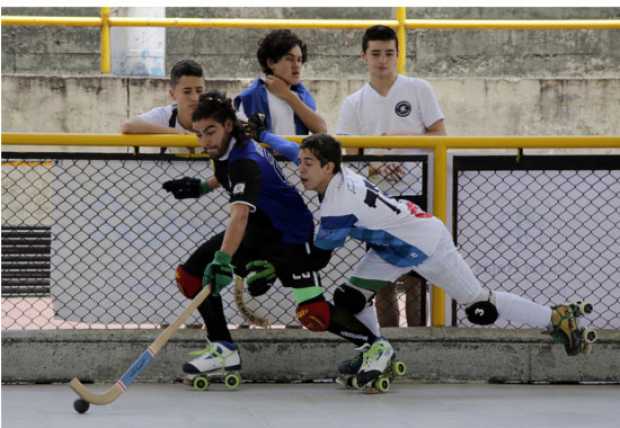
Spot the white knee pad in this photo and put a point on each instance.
(483, 310)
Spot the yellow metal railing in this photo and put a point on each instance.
(400, 23)
(440, 146)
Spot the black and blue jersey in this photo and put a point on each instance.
(251, 176)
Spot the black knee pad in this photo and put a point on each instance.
(482, 313)
(349, 298)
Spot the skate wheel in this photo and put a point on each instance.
(590, 336)
(399, 368)
(232, 381)
(584, 307)
(350, 384)
(200, 383)
(382, 384)
(346, 381)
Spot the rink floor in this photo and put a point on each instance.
(319, 406)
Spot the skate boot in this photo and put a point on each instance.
(220, 361)
(565, 329)
(348, 368)
(375, 373)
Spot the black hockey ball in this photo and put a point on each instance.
(81, 406)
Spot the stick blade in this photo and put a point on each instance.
(100, 399)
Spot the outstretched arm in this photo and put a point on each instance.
(257, 129)
(138, 126)
(286, 148)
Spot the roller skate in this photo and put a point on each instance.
(378, 369)
(565, 329)
(219, 361)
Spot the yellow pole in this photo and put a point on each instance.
(401, 34)
(438, 298)
(105, 41)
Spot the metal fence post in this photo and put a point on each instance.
(105, 41)
(439, 210)
(401, 33)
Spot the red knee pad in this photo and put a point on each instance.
(315, 316)
(189, 285)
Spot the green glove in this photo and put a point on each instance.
(219, 273)
(261, 276)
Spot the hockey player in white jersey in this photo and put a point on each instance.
(402, 237)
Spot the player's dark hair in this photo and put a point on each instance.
(185, 67)
(326, 149)
(276, 45)
(215, 105)
(378, 32)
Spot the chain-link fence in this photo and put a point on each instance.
(544, 227)
(92, 240)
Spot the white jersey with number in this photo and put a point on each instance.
(398, 231)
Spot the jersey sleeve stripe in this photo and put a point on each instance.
(252, 207)
(338, 222)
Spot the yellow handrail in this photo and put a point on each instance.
(513, 24)
(491, 24)
(50, 21)
(353, 141)
(334, 24)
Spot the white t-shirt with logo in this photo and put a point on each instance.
(410, 107)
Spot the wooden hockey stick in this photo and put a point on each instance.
(142, 361)
(249, 316)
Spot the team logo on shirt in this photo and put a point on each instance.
(239, 188)
(403, 108)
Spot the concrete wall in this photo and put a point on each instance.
(472, 106)
(334, 54)
(431, 354)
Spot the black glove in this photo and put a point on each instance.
(256, 126)
(185, 188)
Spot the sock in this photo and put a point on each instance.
(346, 325)
(212, 312)
(520, 310)
(368, 317)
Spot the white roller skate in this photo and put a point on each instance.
(565, 329)
(378, 369)
(219, 360)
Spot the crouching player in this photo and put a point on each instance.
(402, 237)
(269, 235)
